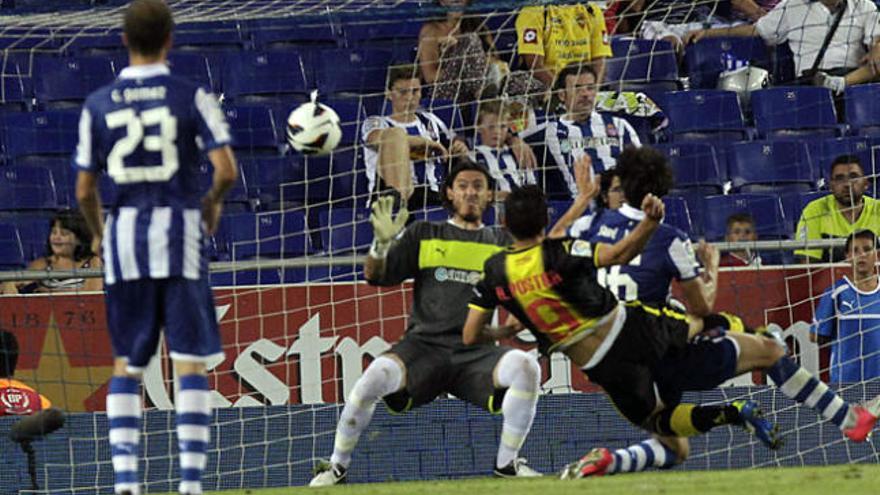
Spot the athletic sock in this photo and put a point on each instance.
(687, 420)
(124, 412)
(641, 456)
(521, 375)
(193, 433)
(801, 386)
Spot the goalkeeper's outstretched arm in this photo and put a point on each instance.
(385, 229)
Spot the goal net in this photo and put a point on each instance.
(298, 322)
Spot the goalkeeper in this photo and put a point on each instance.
(641, 356)
(446, 260)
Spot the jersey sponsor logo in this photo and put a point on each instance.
(581, 20)
(14, 399)
(443, 274)
(606, 231)
(530, 36)
(581, 248)
(613, 139)
(533, 283)
(852, 307)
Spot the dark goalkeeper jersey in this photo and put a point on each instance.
(551, 288)
(445, 262)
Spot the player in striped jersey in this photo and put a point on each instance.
(644, 358)
(848, 316)
(146, 130)
(580, 131)
(406, 152)
(492, 151)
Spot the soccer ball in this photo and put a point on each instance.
(313, 129)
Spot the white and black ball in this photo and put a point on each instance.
(313, 129)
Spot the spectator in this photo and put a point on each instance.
(493, 152)
(455, 54)
(550, 37)
(853, 54)
(848, 315)
(580, 130)
(611, 192)
(406, 151)
(672, 20)
(840, 213)
(68, 247)
(741, 228)
(16, 398)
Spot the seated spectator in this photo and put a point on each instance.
(848, 315)
(839, 214)
(551, 37)
(579, 131)
(68, 247)
(741, 228)
(493, 151)
(16, 398)
(672, 20)
(852, 56)
(455, 54)
(406, 151)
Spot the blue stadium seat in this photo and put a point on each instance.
(447, 110)
(794, 111)
(762, 166)
(27, 188)
(704, 115)
(237, 197)
(12, 255)
(344, 230)
(637, 62)
(192, 66)
(65, 82)
(431, 214)
(88, 44)
(253, 128)
(766, 209)
(382, 32)
(863, 109)
(344, 178)
(273, 34)
(274, 182)
(211, 36)
(38, 133)
(248, 235)
(824, 151)
(249, 75)
(677, 213)
(16, 92)
(707, 58)
(696, 166)
(793, 204)
(365, 71)
(33, 230)
(63, 175)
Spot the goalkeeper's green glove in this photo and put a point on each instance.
(385, 228)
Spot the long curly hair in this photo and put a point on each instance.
(643, 171)
(73, 221)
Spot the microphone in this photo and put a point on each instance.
(37, 426)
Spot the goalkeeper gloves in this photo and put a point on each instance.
(385, 228)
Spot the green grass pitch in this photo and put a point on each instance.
(859, 479)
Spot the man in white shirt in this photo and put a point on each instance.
(407, 151)
(804, 24)
(580, 131)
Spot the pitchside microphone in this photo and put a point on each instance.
(37, 426)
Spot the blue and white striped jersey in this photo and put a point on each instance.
(668, 255)
(851, 318)
(503, 167)
(603, 137)
(146, 131)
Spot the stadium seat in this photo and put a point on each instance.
(211, 36)
(248, 235)
(704, 115)
(24, 135)
(677, 213)
(192, 66)
(863, 109)
(94, 44)
(248, 76)
(794, 111)
(365, 71)
(65, 82)
(12, 255)
(637, 62)
(274, 182)
(343, 172)
(237, 197)
(766, 209)
(824, 151)
(16, 92)
(762, 166)
(448, 111)
(273, 34)
(63, 175)
(253, 129)
(382, 32)
(27, 188)
(344, 230)
(707, 58)
(33, 230)
(696, 166)
(793, 204)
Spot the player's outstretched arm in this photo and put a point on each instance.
(89, 200)
(624, 250)
(385, 229)
(225, 175)
(588, 188)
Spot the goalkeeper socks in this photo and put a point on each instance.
(124, 412)
(384, 376)
(687, 420)
(521, 375)
(193, 417)
(641, 456)
(801, 386)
